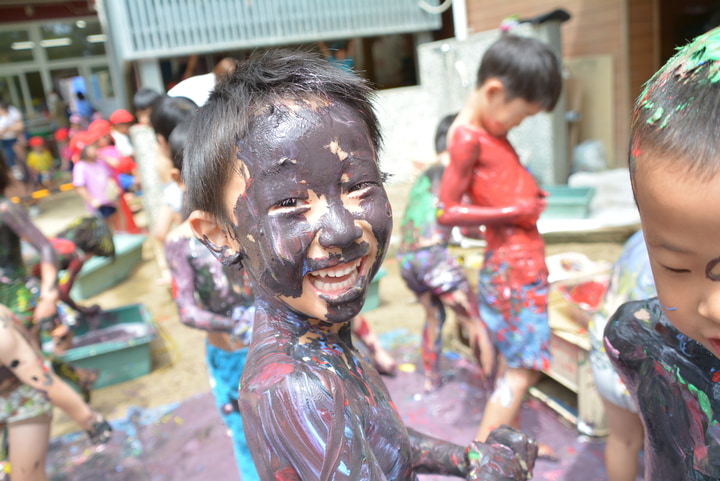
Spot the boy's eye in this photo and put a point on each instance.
(287, 203)
(362, 185)
(290, 203)
(673, 270)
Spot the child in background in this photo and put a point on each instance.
(667, 349)
(143, 101)
(517, 77)
(219, 300)
(124, 168)
(121, 120)
(94, 179)
(631, 279)
(283, 179)
(434, 275)
(62, 141)
(41, 163)
(76, 125)
(167, 113)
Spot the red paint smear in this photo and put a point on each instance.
(275, 373)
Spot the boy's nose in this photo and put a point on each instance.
(338, 228)
(710, 303)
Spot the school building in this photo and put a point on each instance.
(108, 48)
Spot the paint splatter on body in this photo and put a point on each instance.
(672, 379)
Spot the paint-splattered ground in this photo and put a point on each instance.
(187, 440)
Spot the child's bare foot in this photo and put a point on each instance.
(432, 383)
(547, 453)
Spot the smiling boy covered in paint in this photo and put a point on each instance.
(666, 349)
(283, 178)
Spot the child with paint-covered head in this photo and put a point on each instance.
(518, 77)
(667, 348)
(283, 178)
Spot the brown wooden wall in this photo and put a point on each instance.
(597, 27)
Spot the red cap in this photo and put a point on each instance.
(62, 134)
(121, 116)
(100, 127)
(82, 139)
(36, 141)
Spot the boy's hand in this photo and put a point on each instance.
(529, 210)
(507, 455)
(100, 430)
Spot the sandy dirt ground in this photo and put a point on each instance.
(178, 356)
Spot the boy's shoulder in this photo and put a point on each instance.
(639, 332)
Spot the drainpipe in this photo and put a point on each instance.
(459, 10)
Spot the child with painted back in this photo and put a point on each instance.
(434, 275)
(283, 178)
(518, 77)
(667, 349)
(217, 299)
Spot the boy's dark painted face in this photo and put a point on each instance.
(313, 218)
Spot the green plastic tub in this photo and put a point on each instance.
(119, 348)
(101, 273)
(567, 202)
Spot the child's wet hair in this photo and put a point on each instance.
(144, 98)
(441, 132)
(168, 112)
(528, 69)
(177, 139)
(676, 116)
(264, 81)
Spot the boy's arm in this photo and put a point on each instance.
(22, 225)
(457, 182)
(508, 454)
(85, 195)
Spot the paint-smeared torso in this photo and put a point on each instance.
(315, 410)
(676, 383)
(419, 227)
(499, 180)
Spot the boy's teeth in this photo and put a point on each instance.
(335, 286)
(337, 272)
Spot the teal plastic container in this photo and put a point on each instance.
(101, 273)
(567, 202)
(119, 348)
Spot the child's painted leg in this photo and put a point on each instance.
(432, 340)
(381, 359)
(464, 304)
(506, 400)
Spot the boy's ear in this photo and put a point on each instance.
(494, 86)
(175, 176)
(215, 237)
